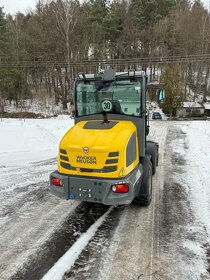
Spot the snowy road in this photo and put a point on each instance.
(170, 239)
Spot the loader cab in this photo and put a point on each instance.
(118, 95)
(121, 97)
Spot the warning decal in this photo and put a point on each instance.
(122, 172)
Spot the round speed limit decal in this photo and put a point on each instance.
(106, 105)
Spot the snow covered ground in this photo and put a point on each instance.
(188, 202)
(28, 151)
(24, 142)
(196, 151)
(170, 239)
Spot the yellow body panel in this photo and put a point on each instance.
(97, 152)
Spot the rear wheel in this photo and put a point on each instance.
(152, 150)
(144, 197)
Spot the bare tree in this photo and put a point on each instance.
(66, 14)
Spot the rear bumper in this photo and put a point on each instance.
(97, 190)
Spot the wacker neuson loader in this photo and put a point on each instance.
(105, 157)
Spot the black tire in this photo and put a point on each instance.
(152, 150)
(157, 159)
(154, 166)
(144, 197)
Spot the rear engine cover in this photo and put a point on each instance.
(96, 149)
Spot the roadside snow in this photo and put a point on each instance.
(29, 142)
(24, 141)
(198, 162)
(193, 151)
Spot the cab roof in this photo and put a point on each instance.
(111, 74)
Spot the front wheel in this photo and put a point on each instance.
(144, 197)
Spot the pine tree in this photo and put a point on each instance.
(9, 75)
(172, 81)
(145, 13)
(4, 37)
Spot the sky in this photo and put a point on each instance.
(13, 6)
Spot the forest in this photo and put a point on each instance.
(42, 52)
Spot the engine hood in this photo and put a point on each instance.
(93, 148)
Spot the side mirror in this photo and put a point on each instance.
(161, 96)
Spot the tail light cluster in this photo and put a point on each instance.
(56, 182)
(120, 188)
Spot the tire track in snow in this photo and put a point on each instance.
(128, 249)
(160, 133)
(181, 253)
(28, 218)
(91, 260)
(68, 259)
(24, 175)
(61, 240)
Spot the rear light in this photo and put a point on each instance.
(56, 182)
(120, 188)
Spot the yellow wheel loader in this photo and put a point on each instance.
(105, 157)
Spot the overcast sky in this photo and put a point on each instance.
(13, 6)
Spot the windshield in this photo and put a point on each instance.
(116, 97)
